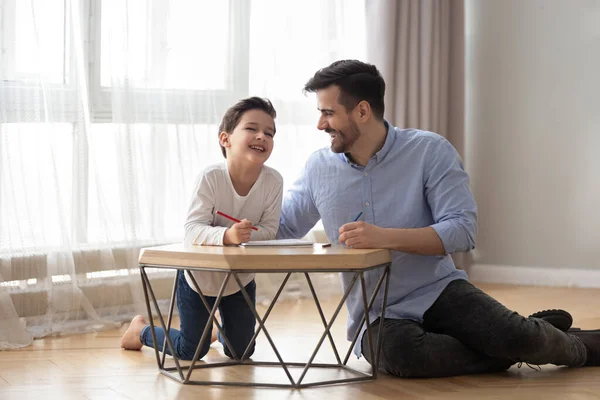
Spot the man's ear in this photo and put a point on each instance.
(224, 139)
(363, 110)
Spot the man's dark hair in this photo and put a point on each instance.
(234, 113)
(357, 81)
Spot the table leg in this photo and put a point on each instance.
(206, 331)
(366, 317)
(382, 318)
(170, 317)
(150, 293)
(314, 294)
(335, 314)
(262, 326)
(209, 309)
(287, 276)
(371, 301)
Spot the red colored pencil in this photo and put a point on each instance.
(233, 219)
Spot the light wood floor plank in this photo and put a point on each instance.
(91, 366)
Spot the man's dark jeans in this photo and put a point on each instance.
(467, 332)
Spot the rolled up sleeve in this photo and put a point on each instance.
(449, 195)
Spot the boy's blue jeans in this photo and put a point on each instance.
(237, 321)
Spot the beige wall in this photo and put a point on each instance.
(533, 130)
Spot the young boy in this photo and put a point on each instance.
(241, 187)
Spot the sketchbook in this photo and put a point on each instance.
(280, 242)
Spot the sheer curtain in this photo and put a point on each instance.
(108, 110)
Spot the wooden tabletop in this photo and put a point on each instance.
(263, 258)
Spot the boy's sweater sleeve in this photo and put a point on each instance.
(198, 225)
(269, 221)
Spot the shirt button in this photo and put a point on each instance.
(367, 204)
(366, 174)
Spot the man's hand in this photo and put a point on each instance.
(423, 241)
(360, 235)
(238, 233)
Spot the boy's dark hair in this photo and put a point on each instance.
(234, 113)
(357, 81)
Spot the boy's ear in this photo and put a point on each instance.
(224, 139)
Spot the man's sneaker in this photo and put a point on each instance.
(560, 319)
(591, 340)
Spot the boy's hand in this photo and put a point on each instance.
(238, 233)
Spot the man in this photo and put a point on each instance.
(415, 200)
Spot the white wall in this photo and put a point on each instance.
(533, 133)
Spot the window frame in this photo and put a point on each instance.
(170, 105)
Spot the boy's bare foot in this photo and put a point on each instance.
(215, 331)
(214, 337)
(131, 337)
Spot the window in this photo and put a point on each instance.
(39, 25)
(171, 56)
(62, 63)
(103, 101)
(175, 36)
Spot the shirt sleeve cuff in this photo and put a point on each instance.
(446, 231)
(220, 236)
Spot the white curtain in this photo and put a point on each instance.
(109, 109)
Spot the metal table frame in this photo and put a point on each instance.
(183, 374)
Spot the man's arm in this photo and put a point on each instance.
(298, 213)
(361, 235)
(451, 201)
(423, 241)
(452, 206)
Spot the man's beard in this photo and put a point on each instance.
(345, 138)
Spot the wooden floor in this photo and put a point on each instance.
(92, 366)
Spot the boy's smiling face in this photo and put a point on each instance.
(251, 139)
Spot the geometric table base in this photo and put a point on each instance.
(183, 373)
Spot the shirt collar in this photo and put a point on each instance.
(380, 155)
(387, 145)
